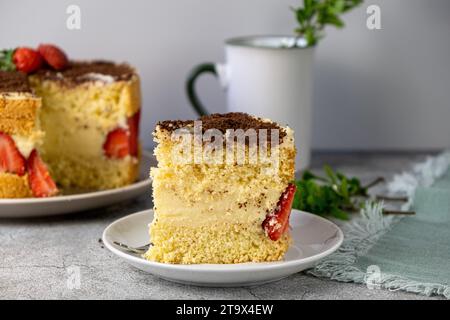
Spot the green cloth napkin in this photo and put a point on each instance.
(410, 253)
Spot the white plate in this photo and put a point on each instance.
(314, 238)
(38, 207)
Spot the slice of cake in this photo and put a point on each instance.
(90, 116)
(222, 191)
(22, 172)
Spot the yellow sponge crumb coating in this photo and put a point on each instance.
(100, 174)
(14, 186)
(216, 243)
(19, 113)
(104, 104)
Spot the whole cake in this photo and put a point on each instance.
(82, 118)
(229, 206)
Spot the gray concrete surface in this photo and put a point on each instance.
(37, 256)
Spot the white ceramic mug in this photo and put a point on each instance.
(269, 77)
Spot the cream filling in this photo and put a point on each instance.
(76, 138)
(224, 210)
(18, 95)
(98, 77)
(73, 141)
(26, 144)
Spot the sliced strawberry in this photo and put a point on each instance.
(277, 222)
(54, 56)
(11, 160)
(133, 127)
(41, 183)
(27, 60)
(117, 144)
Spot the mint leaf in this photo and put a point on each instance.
(315, 15)
(6, 60)
(332, 196)
(330, 174)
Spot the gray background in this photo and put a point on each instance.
(382, 89)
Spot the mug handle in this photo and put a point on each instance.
(190, 85)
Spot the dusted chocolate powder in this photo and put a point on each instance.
(80, 72)
(222, 122)
(12, 81)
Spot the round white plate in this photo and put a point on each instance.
(39, 207)
(314, 238)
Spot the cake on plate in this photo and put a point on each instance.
(222, 190)
(81, 117)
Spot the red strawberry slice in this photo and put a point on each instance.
(277, 222)
(133, 127)
(117, 144)
(11, 160)
(27, 60)
(42, 184)
(54, 56)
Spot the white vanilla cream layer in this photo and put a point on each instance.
(236, 207)
(26, 144)
(18, 95)
(76, 138)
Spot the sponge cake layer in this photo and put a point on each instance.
(18, 105)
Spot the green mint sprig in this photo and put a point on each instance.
(6, 60)
(333, 195)
(315, 15)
